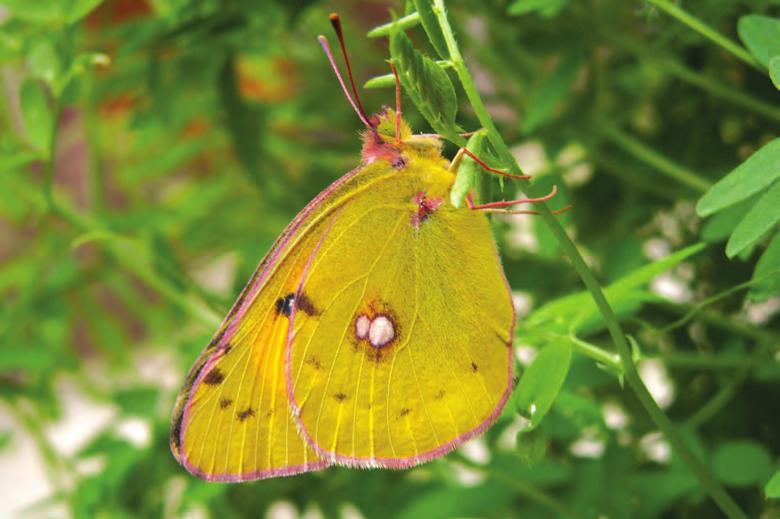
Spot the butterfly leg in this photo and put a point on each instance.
(499, 207)
(455, 164)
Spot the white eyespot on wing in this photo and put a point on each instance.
(381, 331)
(362, 325)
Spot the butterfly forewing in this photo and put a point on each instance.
(232, 420)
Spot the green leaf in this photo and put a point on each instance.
(532, 446)
(772, 488)
(545, 8)
(645, 274)
(760, 219)
(32, 360)
(431, 26)
(761, 35)
(547, 96)
(5, 438)
(767, 273)
(580, 411)
(756, 173)
(426, 83)
(384, 81)
(405, 22)
(774, 71)
(467, 177)
(38, 11)
(719, 226)
(578, 311)
(741, 463)
(37, 115)
(43, 61)
(542, 381)
(81, 8)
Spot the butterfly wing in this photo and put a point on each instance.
(410, 351)
(232, 419)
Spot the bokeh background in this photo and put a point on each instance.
(151, 151)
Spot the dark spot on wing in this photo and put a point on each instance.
(224, 403)
(474, 367)
(340, 396)
(314, 362)
(305, 305)
(284, 305)
(405, 411)
(213, 377)
(226, 348)
(246, 413)
(439, 394)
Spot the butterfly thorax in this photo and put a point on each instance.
(381, 143)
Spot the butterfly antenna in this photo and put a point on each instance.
(335, 21)
(397, 103)
(326, 47)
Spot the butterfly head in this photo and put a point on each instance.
(390, 138)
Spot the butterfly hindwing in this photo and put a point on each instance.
(410, 352)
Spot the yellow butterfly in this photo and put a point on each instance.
(376, 332)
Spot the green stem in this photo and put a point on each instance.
(600, 355)
(187, 302)
(651, 157)
(48, 179)
(144, 271)
(723, 322)
(718, 494)
(695, 309)
(708, 32)
(405, 22)
(631, 176)
(713, 488)
(682, 359)
(522, 487)
(674, 68)
(727, 392)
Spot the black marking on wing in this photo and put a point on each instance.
(284, 305)
(214, 377)
(246, 413)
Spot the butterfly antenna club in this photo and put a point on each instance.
(335, 21)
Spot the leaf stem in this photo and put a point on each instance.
(143, 270)
(51, 160)
(708, 32)
(405, 22)
(713, 488)
(522, 487)
(728, 391)
(651, 157)
(675, 68)
(600, 355)
(193, 306)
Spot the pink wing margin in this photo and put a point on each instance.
(225, 333)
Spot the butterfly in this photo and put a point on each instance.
(376, 332)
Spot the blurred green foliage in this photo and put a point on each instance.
(151, 150)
